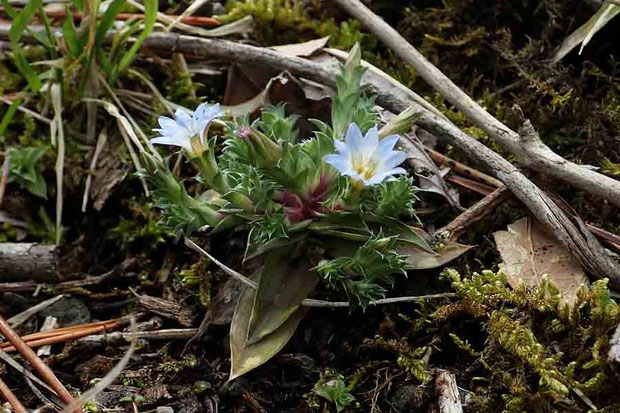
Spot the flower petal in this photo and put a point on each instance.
(394, 159)
(167, 140)
(370, 142)
(213, 112)
(199, 113)
(385, 146)
(339, 162)
(380, 177)
(353, 140)
(183, 118)
(341, 147)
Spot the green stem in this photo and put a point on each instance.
(209, 171)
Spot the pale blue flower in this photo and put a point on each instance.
(366, 158)
(181, 131)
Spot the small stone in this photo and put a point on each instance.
(164, 409)
(68, 311)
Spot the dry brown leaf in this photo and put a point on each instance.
(304, 49)
(529, 252)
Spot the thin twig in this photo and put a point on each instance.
(442, 160)
(199, 21)
(30, 112)
(474, 214)
(4, 178)
(169, 334)
(308, 302)
(18, 319)
(29, 355)
(11, 398)
(63, 338)
(242, 278)
(9, 360)
(110, 375)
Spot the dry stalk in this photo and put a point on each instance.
(29, 355)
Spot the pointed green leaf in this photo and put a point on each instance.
(150, 13)
(247, 357)
(418, 259)
(74, 43)
(284, 283)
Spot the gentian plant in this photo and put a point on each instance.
(337, 206)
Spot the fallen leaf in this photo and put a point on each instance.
(284, 283)
(418, 259)
(529, 252)
(431, 178)
(304, 49)
(249, 89)
(244, 358)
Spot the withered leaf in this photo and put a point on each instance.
(302, 49)
(529, 252)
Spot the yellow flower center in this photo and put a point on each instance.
(365, 169)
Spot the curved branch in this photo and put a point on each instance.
(530, 151)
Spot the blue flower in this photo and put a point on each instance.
(366, 159)
(183, 130)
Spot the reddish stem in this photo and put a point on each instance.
(29, 355)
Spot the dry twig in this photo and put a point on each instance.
(11, 398)
(38, 364)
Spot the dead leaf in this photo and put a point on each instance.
(529, 252)
(431, 178)
(418, 259)
(281, 89)
(304, 49)
(244, 358)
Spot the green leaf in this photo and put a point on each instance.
(149, 22)
(74, 43)
(20, 23)
(27, 71)
(245, 357)
(607, 12)
(25, 171)
(418, 259)
(336, 392)
(253, 251)
(284, 283)
(8, 116)
(108, 20)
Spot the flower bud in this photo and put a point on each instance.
(400, 124)
(265, 151)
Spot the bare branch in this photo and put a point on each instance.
(531, 152)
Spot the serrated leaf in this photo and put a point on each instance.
(284, 283)
(418, 259)
(245, 358)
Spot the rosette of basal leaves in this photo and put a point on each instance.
(336, 205)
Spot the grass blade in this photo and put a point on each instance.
(149, 22)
